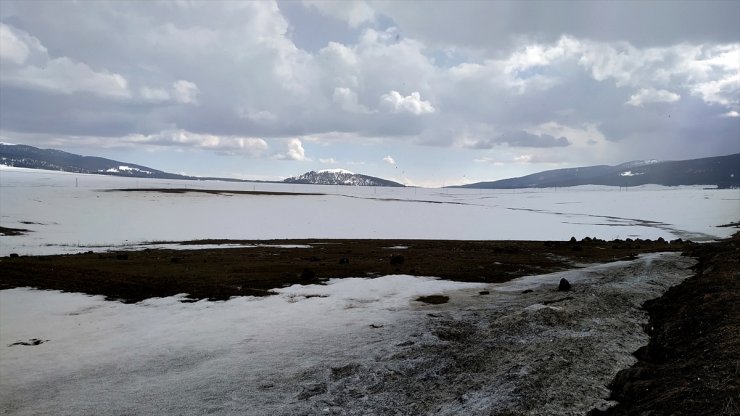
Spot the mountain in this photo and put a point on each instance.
(339, 177)
(23, 156)
(722, 171)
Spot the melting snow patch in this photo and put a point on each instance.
(355, 346)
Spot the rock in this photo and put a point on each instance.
(528, 291)
(484, 292)
(564, 285)
(344, 260)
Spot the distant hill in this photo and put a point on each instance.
(24, 156)
(722, 171)
(339, 177)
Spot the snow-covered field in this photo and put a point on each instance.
(72, 212)
(354, 346)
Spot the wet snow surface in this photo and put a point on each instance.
(72, 213)
(354, 347)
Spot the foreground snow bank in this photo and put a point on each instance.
(354, 346)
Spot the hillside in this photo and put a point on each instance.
(339, 177)
(722, 171)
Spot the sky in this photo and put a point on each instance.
(425, 93)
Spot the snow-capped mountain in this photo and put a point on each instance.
(339, 177)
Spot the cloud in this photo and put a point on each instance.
(59, 75)
(181, 92)
(329, 161)
(185, 92)
(294, 151)
(389, 160)
(353, 12)
(519, 138)
(499, 25)
(649, 95)
(348, 101)
(248, 146)
(17, 45)
(412, 103)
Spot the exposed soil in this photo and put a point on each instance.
(211, 191)
(219, 274)
(692, 364)
(6, 231)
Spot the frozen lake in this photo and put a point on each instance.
(72, 212)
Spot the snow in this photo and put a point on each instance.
(124, 168)
(101, 355)
(344, 171)
(354, 346)
(630, 173)
(68, 212)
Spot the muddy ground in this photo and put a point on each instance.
(690, 366)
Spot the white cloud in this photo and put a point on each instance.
(154, 94)
(412, 103)
(389, 160)
(348, 101)
(732, 113)
(329, 161)
(294, 151)
(61, 75)
(353, 12)
(11, 47)
(649, 95)
(248, 146)
(185, 92)
(66, 76)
